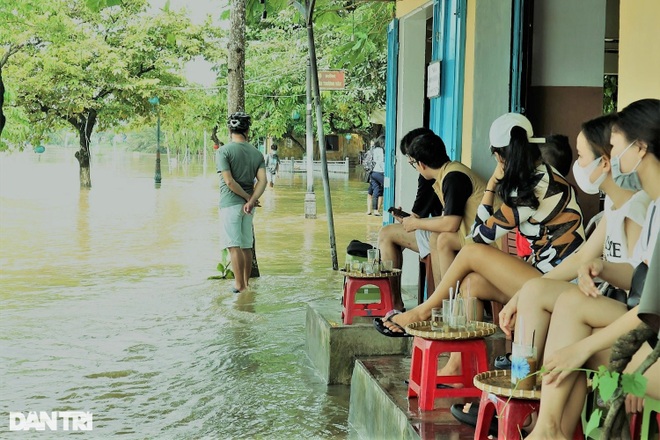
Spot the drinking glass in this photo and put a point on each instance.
(372, 255)
(523, 366)
(436, 319)
(471, 312)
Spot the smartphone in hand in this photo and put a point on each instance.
(398, 212)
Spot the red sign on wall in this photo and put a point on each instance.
(331, 80)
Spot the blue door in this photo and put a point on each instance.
(390, 116)
(448, 47)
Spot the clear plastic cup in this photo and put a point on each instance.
(523, 366)
(436, 319)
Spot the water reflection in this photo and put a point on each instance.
(105, 305)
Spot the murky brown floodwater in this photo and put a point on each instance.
(105, 304)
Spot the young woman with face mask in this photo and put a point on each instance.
(585, 325)
(614, 238)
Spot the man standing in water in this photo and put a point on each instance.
(240, 164)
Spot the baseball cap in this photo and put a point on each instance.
(500, 130)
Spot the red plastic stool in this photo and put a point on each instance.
(511, 413)
(640, 422)
(424, 379)
(350, 309)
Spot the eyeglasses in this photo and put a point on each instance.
(412, 162)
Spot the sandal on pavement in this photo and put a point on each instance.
(469, 417)
(379, 323)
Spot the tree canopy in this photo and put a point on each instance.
(96, 63)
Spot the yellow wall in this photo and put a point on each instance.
(407, 6)
(639, 39)
(468, 84)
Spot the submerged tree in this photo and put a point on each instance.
(102, 67)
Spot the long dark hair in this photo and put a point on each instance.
(641, 121)
(520, 160)
(597, 133)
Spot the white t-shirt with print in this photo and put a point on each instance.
(615, 248)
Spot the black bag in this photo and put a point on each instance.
(637, 285)
(630, 299)
(358, 249)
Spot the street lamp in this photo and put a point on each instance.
(155, 101)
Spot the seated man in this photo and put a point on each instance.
(459, 190)
(393, 239)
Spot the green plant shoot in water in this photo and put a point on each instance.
(224, 267)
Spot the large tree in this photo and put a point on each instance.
(102, 67)
(21, 27)
(276, 57)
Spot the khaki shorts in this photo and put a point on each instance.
(236, 227)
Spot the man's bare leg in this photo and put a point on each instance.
(247, 255)
(447, 246)
(238, 264)
(392, 239)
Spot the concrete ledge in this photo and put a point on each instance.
(373, 412)
(332, 347)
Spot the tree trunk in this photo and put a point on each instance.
(214, 135)
(236, 58)
(236, 80)
(2, 103)
(85, 126)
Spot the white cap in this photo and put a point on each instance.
(500, 130)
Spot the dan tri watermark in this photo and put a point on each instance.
(51, 421)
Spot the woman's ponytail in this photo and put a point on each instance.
(520, 161)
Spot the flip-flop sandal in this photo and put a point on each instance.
(470, 417)
(503, 362)
(440, 386)
(379, 323)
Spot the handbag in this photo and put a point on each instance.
(637, 285)
(632, 297)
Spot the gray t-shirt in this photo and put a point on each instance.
(243, 160)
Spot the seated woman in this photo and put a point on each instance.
(614, 238)
(584, 324)
(537, 199)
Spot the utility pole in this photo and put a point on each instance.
(310, 196)
(308, 13)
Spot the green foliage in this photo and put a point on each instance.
(104, 63)
(610, 92)
(276, 62)
(594, 422)
(97, 5)
(606, 382)
(224, 267)
(609, 385)
(634, 384)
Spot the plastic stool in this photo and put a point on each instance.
(350, 309)
(424, 379)
(511, 413)
(640, 426)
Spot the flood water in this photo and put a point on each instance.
(106, 306)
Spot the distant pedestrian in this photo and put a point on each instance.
(240, 163)
(376, 176)
(272, 165)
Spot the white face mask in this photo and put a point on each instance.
(582, 176)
